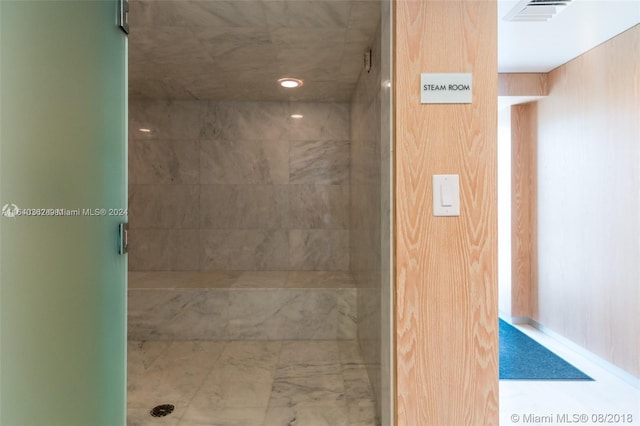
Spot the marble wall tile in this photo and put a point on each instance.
(347, 303)
(321, 121)
(149, 250)
(242, 314)
(319, 206)
(257, 170)
(351, 61)
(319, 162)
(283, 314)
(180, 120)
(363, 13)
(244, 250)
(310, 314)
(162, 161)
(178, 314)
(265, 319)
(243, 161)
(319, 249)
(164, 206)
(244, 206)
(247, 121)
(164, 250)
(150, 89)
(166, 47)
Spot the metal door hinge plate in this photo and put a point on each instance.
(123, 15)
(123, 238)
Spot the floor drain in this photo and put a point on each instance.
(162, 410)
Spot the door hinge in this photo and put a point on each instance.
(123, 15)
(123, 238)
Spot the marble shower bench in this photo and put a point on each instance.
(269, 305)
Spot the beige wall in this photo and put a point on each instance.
(446, 267)
(589, 202)
(239, 186)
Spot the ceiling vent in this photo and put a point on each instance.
(536, 10)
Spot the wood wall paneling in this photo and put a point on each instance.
(523, 210)
(589, 201)
(446, 267)
(522, 84)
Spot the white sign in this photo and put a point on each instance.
(448, 88)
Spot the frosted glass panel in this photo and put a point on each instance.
(62, 147)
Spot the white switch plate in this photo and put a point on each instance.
(446, 195)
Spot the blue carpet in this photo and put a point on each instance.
(522, 358)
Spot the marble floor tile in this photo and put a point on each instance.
(356, 383)
(206, 416)
(300, 388)
(242, 377)
(249, 383)
(174, 377)
(308, 415)
(140, 416)
(309, 353)
(309, 372)
(362, 412)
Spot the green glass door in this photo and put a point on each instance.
(63, 119)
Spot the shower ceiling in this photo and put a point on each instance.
(237, 50)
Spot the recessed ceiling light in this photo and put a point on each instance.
(297, 115)
(145, 130)
(290, 83)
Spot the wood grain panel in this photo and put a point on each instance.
(446, 267)
(589, 201)
(523, 209)
(522, 84)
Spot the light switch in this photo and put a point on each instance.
(446, 195)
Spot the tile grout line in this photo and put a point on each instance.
(204, 379)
